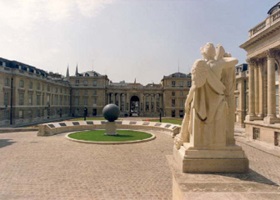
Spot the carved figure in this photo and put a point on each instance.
(209, 107)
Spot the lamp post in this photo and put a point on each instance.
(160, 110)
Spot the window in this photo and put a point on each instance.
(94, 92)
(85, 101)
(256, 133)
(77, 82)
(173, 94)
(152, 106)
(189, 83)
(76, 100)
(38, 99)
(38, 113)
(85, 83)
(30, 85)
(21, 98)
(147, 106)
(94, 100)
(173, 83)
(29, 113)
(181, 83)
(86, 92)
(6, 98)
(7, 82)
(48, 99)
(20, 114)
(94, 83)
(236, 102)
(38, 86)
(173, 102)
(30, 99)
(21, 84)
(182, 103)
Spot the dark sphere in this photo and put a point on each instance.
(111, 112)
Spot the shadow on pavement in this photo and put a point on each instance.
(5, 142)
(252, 176)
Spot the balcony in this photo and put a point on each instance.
(268, 22)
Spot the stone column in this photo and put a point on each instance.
(120, 103)
(124, 102)
(256, 89)
(155, 103)
(261, 92)
(242, 102)
(271, 98)
(128, 103)
(108, 98)
(144, 103)
(251, 114)
(150, 103)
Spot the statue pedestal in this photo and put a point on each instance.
(230, 159)
(110, 128)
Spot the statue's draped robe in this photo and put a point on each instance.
(208, 114)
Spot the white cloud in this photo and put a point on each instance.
(90, 8)
(24, 14)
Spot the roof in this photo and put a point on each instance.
(18, 65)
(274, 8)
(91, 74)
(178, 75)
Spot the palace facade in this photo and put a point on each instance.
(263, 57)
(30, 95)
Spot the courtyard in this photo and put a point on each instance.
(53, 167)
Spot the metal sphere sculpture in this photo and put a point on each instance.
(111, 112)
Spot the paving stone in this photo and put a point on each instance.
(53, 167)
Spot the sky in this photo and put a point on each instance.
(124, 39)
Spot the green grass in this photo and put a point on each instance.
(98, 135)
(88, 118)
(167, 120)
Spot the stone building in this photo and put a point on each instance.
(31, 95)
(241, 94)
(263, 57)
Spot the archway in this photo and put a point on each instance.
(134, 106)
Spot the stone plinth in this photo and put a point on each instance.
(230, 159)
(110, 128)
(220, 186)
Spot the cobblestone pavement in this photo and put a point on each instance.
(53, 167)
(264, 163)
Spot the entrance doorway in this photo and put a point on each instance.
(134, 106)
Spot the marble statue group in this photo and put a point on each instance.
(210, 102)
(206, 140)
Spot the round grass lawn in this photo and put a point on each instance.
(98, 136)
